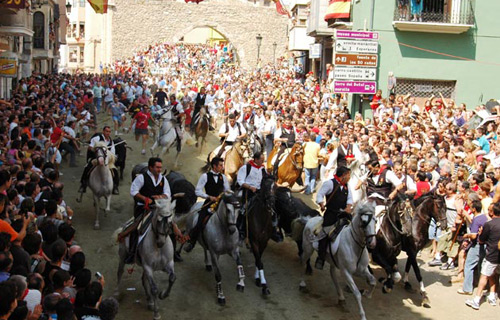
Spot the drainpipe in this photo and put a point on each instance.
(372, 14)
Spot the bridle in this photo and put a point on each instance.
(293, 157)
(101, 152)
(364, 224)
(228, 200)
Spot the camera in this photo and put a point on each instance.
(98, 275)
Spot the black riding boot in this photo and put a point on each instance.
(277, 235)
(116, 181)
(132, 247)
(241, 222)
(195, 232)
(320, 261)
(85, 178)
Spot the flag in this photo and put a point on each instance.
(338, 9)
(99, 6)
(281, 9)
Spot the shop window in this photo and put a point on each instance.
(39, 30)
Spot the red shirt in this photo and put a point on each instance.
(422, 188)
(56, 134)
(142, 120)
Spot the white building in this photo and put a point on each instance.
(88, 47)
(298, 40)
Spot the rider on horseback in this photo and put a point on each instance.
(105, 136)
(177, 114)
(230, 132)
(214, 182)
(146, 188)
(285, 138)
(338, 207)
(249, 180)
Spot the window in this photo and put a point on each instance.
(82, 54)
(82, 3)
(39, 28)
(73, 54)
(425, 88)
(82, 30)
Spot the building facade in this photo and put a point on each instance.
(443, 48)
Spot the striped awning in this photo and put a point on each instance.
(338, 9)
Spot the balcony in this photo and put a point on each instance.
(455, 17)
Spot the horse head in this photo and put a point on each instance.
(364, 215)
(438, 211)
(268, 190)
(297, 156)
(102, 154)
(242, 148)
(163, 211)
(232, 204)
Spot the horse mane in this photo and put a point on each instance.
(364, 205)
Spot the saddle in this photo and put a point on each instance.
(141, 224)
(282, 158)
(331, 231)
(223, 155)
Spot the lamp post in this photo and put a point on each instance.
(259, 43)
(274, 51)
(68, 7)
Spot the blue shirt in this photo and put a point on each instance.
(484, 144)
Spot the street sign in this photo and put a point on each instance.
(349, 73)
(356, 46)
(315, 51)
(356, 35)
(356, 60)
(361, 87)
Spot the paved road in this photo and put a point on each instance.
(193, 295)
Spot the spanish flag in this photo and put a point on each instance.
(338, 9)
(99, 6)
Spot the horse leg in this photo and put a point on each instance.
(263, 282)
(352, 285)
(153, 147)
(147, 290)
(122, 253)
(425, 298)
(307, 251)
(371, 281)
(241, 272)
(208, 262)
(221, 299)
(336, 284)
(153, 290)
(406, 281)
(108, 203)
(176, 159)
(97, 208)
(387, 283)
(169, 268)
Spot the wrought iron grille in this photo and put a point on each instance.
(437, 11)
(425, 88)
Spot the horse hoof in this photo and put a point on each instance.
(385, 289)
(151, 306)
(156, 317)
(265, 291)
(426, 302)
(208, 268)
(309, 271)
(381, 279)
(409, 288)
(97, 226)
(342, 303)
(303, 289)
(240, 288)
(163, 295)
(221, 301)
(257, 282)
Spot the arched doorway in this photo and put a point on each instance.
(214, 39)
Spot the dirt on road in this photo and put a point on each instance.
(193, 295)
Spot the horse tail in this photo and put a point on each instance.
(206, 167)
(114, 237)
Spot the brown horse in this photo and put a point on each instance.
(291, 169)
(234, 159)
(201, 128)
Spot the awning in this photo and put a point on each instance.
(16, 31)
(338, 9)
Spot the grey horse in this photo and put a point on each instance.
(155, 252)
(348, 253)
(220, 236)
(101, 179)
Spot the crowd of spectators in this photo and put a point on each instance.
(428, 146)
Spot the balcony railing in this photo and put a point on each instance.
(454, 16)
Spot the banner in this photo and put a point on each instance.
(15, 4)
(8, 67)
(338, 9)
(99, 6)
(281, 9)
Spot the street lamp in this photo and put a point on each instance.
(68, 7)
(274, 51)
(259, 42)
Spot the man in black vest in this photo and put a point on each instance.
(338, 206)
(198, 103)
(105, 136)
(177, 112)
(146, 188)
(285, 136)
(214, 182)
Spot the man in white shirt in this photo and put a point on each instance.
(69, 142)
(210, 185)
(229, 132)
(343, 155)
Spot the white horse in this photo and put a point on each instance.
(101, 179)
(348, 253)
(155, 253)
(167, 137)
(358, 173)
